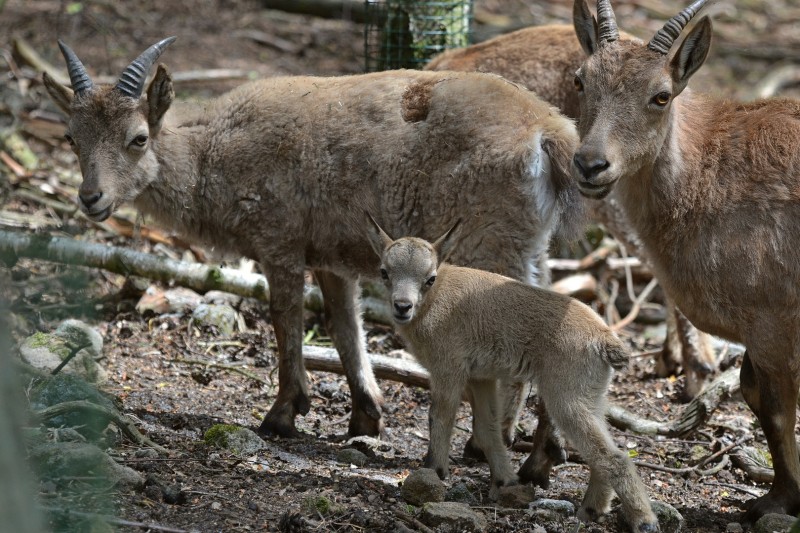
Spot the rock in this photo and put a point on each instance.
(562, 508)
(238, 440)
(178, 300)
(669, 519)
(516, 496)
(145, 453)
(351, 456)
(772, 522)
(46, 351)
(221, 297)
(460, 493)
(734, 527)
(456, 516)
(55, 460)
(66, 388)
(220, 317)
(422, 486)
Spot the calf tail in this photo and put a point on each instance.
(614, 352)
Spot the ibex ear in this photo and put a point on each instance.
(61, 95)
(160, 95)
(378, 238)
(445, 244)
(585, 26)
(692, 53)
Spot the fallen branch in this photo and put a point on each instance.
(774, 81)
(403, 371)
(121, 421)
(112, 520)
(219, 366)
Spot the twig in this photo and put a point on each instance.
(400, 513)
(119, 420)
(117, 521)
(746, 490)
(637, 305)
(220, 366)
(686, 470)
(73, 351)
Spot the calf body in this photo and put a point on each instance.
(470, 328)
(281, 170)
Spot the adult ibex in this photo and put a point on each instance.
(470, 328)
(281, 170)
(544, 59)
(712, 188)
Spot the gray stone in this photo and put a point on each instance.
(669, 519)
(516, 496)
(238, 440)
(176, 300)
(46, 351)
(145, 453)
(221, 297)
(351, 456)
(773, 522)
(219, 316)
(460, 493)
(66, 388)
(458, 516)
(559, 507)
(422, 486)
(56, 460)
(734, 527)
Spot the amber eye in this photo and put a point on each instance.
(431, 281)
(578, 84)
(140, 140)
(661, 99)
(384, 274)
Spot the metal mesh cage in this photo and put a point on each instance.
(407, 33)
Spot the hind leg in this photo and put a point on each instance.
(343, 322)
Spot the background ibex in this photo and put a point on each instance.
(469, 328)
(544, 59)
(281, 170)
(713, 189)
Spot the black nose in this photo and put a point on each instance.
(590, 167)
(90, 199)
(402, 306)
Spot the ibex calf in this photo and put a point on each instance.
(469, 328)
(713, 189)
(544, 59)
(281, 170)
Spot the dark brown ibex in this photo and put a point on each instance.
(470, 328)
(712, 188)
(544, 59)
(281, 170)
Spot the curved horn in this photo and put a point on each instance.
(606, 22)
(78, 77)
(664, 38)
(131, 82)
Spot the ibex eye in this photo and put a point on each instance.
(578, 84)
(384, 274)
(431, 281)
(69, 139)
(140, 140)
(661, 99)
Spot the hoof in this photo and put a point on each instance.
(363, 424)
(276, 428)
(648, 528)
(539, 479)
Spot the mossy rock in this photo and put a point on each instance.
(238, 440)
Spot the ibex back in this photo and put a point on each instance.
(713, 189)
(281, 170)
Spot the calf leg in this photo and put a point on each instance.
(547, 452)
(343, 322)
(286, 311)
(487, 434)
(772, 395)
(445, 398)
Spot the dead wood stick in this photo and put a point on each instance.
(332, 9)
(637, 305)
(116, 521)
(408, 372)
(220, 366)
(121, 421)
(774, 81)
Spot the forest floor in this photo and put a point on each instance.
(175, 404)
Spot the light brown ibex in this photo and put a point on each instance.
(281, 170)
(469, 328)
(544, 59)
(712, 187)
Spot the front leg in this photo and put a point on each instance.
(445, 399)
(286, 311)
(343, 322)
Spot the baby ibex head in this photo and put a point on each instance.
(626, 90)
(408, 267)
(111, 129)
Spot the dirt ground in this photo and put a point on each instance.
(175, 403)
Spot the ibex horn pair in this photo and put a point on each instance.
(664, 38)
(131, 82)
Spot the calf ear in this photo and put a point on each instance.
(160, 95)
(61, 95)
(585, 26)
(692, 53)
(378, 238)
(445, 244)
